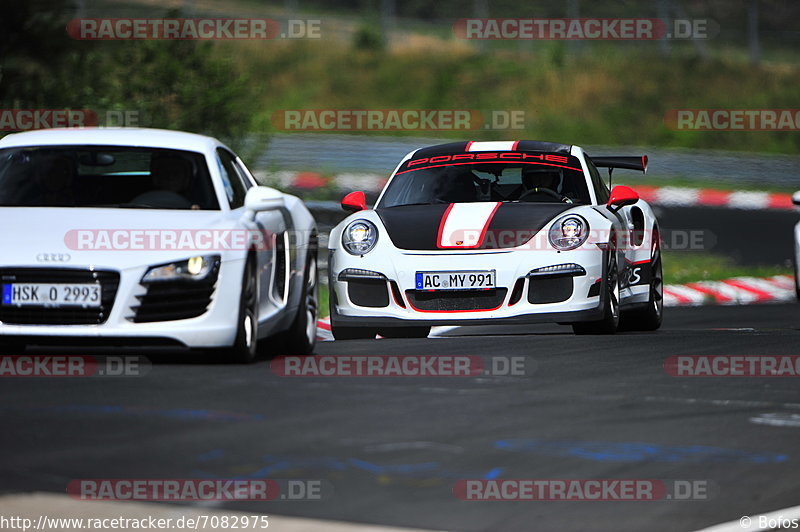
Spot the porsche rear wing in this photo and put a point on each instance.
(629, 163)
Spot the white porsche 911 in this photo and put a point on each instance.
(496, 232)
(150, 237)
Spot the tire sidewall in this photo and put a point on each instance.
(242, 351)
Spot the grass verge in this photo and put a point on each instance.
(688, 267)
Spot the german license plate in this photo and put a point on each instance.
(52, 295)
(463, 280)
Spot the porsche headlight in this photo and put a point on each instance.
(193, 269)
(360, 237)
(568, 232)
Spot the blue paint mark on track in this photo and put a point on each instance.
(279, 464)
(638, 452)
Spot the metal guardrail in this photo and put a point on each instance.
(332, 153)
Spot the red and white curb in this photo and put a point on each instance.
(735, 291)
(324, 330)
(665, 196)
(691, 197)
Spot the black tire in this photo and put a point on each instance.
(650, 317)
(244, 347)
(405, 332)
(301, 338)
(796, 277)
(610, 321)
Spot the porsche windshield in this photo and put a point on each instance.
(542, 178)
(105, 176)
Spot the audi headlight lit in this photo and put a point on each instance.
(360, 237)
(568, 232)
(193, 269)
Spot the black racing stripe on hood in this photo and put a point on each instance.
(416, 227)
(413, 226)
(516, 223)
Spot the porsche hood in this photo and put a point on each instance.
(479, 225)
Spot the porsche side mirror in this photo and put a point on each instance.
(354, 202)
(622, 196)
(796, 198)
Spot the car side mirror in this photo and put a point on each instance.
(796, 198)
(259, 199)
(622, 196)
(354, 202)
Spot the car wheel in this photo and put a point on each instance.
(405, 332)
(650, 318)
(796, 278)
(610, 321)
(301, 338)
(244, 347)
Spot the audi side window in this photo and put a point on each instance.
(234, 188)
(244, 174)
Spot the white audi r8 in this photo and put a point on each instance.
(796, 201)
(150, 237)
(508, 232)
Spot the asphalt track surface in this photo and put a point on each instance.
(392, 448)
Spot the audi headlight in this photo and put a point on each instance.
(193, 269)
(568, 232)
(360, 237)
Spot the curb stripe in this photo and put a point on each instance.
(760, 294)
(719, 296)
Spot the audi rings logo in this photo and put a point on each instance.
(53, 257)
